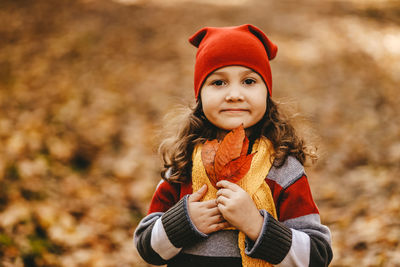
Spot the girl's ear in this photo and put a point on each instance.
(198, 37)
(270, 47)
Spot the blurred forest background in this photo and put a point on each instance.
(85, 84)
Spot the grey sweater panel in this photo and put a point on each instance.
(142, 237)
(289, 173)
(219, 244)
(311, 225)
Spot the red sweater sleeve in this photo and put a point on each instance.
(294, 201)
(165, 196)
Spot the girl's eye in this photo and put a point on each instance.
(249, 81)
(218, 82)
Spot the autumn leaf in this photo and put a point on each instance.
(208, 157)
(236, 169)
(230, 148)
(245, 146)
(227, 160)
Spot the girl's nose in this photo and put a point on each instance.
(234, 94)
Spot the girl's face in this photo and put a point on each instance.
(234, 95)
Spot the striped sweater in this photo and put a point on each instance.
(168, 236)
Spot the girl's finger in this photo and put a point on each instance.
(228, 185)
(214, 211)
(217, 219)
(209, 203)
(222, 225)
(221, 200)
(224, 192)
(198, 195)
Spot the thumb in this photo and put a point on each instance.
(199, 194)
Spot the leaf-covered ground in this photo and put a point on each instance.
(84, 87)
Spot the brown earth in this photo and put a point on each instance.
(84, 87)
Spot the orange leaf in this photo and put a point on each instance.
(237, 169)
(208, 156)
(230, 148)
(245, 146)
(227, 160)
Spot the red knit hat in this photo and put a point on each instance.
(244, 45)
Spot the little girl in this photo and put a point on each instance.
(269, 216)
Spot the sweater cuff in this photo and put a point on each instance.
(178, 226)
(273, 243)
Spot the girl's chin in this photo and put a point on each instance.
(231, 127)
(228, 124)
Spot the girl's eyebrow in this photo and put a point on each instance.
(245, 72)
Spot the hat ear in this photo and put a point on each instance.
(198, 37)
(270, 47)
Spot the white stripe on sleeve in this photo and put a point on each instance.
(160, 242)
(299, 253)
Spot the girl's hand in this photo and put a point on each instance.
(238, 209)
(205, 215)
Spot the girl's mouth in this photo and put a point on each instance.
(234, 110)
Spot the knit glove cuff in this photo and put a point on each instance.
(273, 243)
(179, 227)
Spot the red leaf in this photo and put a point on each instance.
(227, 160)
(237, 169)
(208, 156)
(230, 148)
(245, 146)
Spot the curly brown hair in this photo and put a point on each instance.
(176, 150)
